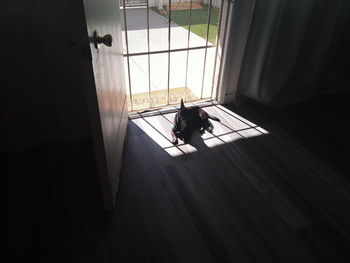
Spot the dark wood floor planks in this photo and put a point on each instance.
(269, 185)
(258, 194)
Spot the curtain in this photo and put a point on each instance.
(295, 49)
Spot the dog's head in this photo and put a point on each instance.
(187, 118)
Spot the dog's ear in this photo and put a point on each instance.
(182, 105)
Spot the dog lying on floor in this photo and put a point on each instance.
(189, 120)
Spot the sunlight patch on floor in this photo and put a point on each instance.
(232, 127)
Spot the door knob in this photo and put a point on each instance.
(106, 40)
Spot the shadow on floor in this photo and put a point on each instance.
(277, 197)
(256, 198)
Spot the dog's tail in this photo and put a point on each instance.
(213, 118)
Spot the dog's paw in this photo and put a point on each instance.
(175, 141)
(210, 129)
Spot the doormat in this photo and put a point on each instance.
(142, 101)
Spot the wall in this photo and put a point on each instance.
(46, 144)
(43, 99)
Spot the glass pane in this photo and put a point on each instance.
(189, 28)
(195, 72)
(177, 77)
(159, 79)
(214, 21)
(139, 82)
(158, 26)
(199, 22)
(209, 70)
(136, 24)
(180, 17)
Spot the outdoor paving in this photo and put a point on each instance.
(158, 34)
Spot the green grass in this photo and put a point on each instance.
(199, 20)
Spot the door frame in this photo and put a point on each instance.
(241, 13)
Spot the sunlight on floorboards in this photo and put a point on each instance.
(231, 127)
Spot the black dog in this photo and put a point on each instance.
(188, 120)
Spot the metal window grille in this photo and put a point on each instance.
(128, 3)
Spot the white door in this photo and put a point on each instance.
(103, 17)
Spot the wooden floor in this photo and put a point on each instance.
(266, 186)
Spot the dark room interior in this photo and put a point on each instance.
(89, 182)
